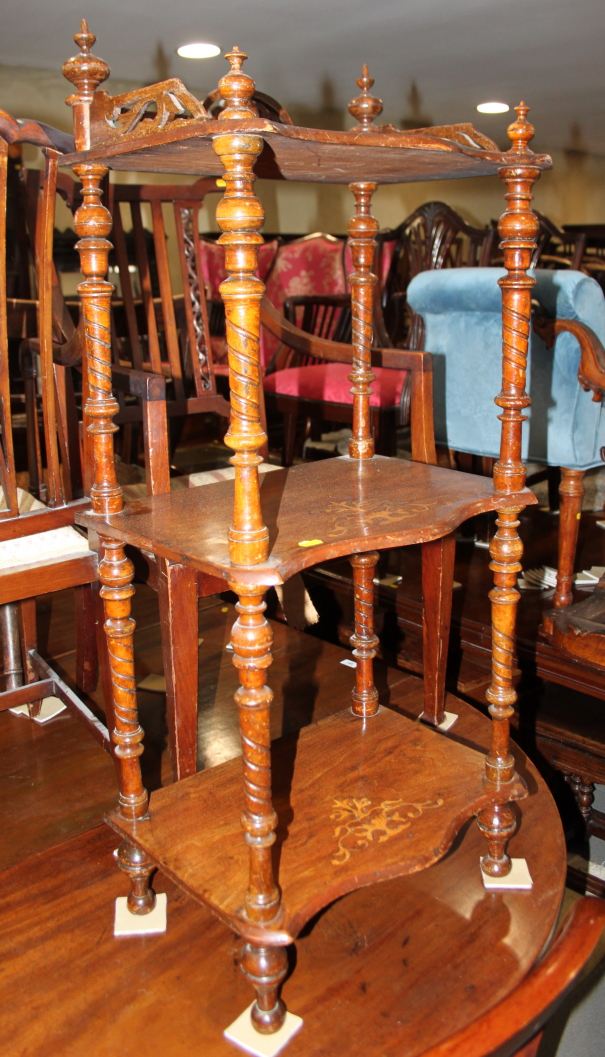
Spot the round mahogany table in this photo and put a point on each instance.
(389, 969)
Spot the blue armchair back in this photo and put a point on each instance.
(462, 312)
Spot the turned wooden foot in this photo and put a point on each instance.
(364, 641)
(497, 825)
(141, 898)
(265, 968)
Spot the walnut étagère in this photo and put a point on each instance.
(356, 509)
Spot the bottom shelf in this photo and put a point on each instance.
(358, 801)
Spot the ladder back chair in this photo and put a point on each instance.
(40, 549)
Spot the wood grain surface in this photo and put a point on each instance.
(357, 801)
(312, 155)
(348, 505)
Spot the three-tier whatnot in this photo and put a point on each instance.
(370, 795)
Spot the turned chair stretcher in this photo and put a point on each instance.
(356, 506)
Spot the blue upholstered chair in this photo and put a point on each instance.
(461, 310)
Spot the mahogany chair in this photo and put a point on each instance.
(312, 378)
(40, 549)
(514, 1027)
(566, 364)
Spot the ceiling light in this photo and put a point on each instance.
(490, 108)
(199, 51)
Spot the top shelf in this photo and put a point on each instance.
(310, 155)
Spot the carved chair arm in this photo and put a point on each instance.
(591, 372)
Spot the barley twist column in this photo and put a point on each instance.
(362, 228)
(518, 227)
(240, 217)
(364, 641)
(252, 639)
(92, 223)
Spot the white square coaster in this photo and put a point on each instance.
(243, 1034)
(127, 924)
(449, 718)
(519, 878)
(51, 707)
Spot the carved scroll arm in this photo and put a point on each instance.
(591, 372)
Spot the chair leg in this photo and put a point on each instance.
(87, 657)
(571, 491)
(177, 594)
(18, 631)
(287, 457)
(438, 557)
(11, 645)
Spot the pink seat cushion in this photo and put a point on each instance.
(329, 383)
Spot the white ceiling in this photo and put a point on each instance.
(460, 52)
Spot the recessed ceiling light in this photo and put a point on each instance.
(199, 51)
(491, 108)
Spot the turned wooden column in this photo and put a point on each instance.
(362, 234)
(240, 217)
(92, 223)
(362, 228)
(364, 641)
(571, 492)
(518, 228)
(252, 639)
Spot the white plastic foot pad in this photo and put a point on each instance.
(244, 1035)
(519, 878)
(446, 724)
(127, 924)
(51, 707)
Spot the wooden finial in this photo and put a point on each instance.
(521, 132)
(86, 72)
(365, 107)
(237, 88)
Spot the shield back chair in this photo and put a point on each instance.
(355, 506)
(566, 378)
(40, 549)
(433, 237)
